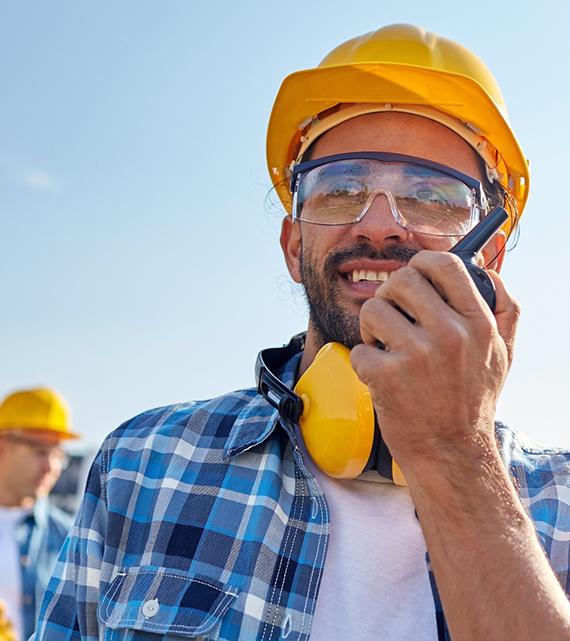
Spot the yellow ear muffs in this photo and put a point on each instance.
(338, 423)
(333, 409)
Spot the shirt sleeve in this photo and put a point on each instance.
(69, 607)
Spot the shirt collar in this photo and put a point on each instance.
(40, 512)
(258, 419)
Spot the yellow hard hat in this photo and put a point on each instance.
(37, 409)
(403, 68)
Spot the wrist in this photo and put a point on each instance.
(445, 450)
(469, 485)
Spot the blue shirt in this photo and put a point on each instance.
(40, 536)
(202, 520)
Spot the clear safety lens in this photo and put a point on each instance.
(52, 452)
(422, 199)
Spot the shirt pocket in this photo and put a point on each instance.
(140, 601)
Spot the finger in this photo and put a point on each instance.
(381, 321)
(412, 292)
(370, 364)
(449, 276)
(507, 313)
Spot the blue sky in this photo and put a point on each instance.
(140, 263)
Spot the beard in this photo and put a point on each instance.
(329, 313)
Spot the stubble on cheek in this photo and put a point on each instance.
(332, 316)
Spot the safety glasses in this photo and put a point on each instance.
(53, 453)
(424, 197)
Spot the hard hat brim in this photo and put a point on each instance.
(63, 434)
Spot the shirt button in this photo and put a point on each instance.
(150, 608)
(24, 559)
(286, 627)
(314, 507)
(27, 599)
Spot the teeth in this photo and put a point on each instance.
(361, 275)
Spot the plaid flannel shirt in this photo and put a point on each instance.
(201, 520)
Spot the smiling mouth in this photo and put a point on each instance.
(366, 276)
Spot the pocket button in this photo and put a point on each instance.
(150, 608)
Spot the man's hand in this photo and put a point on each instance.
(436, 386)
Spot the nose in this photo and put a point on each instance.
(379, 224)
(45, 464)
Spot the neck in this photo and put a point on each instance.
(313, 344)
(27, 503)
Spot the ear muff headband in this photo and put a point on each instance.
(333, 409)
(337, 422)
(289, 404)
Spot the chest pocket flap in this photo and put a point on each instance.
(164, 602)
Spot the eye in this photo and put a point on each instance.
(427, 194)
(333, 184)
(424, 194)
(341, 186)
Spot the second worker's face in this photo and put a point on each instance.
(325, 259)
(30, 464)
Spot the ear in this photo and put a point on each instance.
(291, 246)
(494, 251)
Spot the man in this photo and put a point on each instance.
(212, 519)
(33, 424)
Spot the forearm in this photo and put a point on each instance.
(493, 577)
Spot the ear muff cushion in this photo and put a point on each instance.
(338, 419)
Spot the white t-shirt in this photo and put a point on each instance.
(375, 583)
(10, 570)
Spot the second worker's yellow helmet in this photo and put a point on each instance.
(40, 409)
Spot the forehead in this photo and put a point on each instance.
(400, 133)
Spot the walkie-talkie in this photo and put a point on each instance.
(468, 248)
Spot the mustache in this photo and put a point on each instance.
(394, 251)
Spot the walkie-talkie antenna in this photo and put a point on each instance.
(468, 247)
